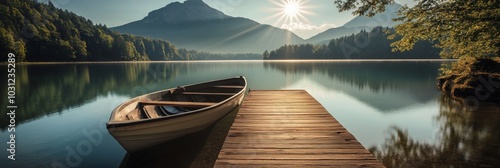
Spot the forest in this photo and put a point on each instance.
(364, 45)
(39, 32)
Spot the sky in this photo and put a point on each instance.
(313, 16)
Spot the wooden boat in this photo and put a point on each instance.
(152, 119)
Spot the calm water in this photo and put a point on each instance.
(393, 108)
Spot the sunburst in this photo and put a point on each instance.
(290, 11)
(292, 8)
(292, 15)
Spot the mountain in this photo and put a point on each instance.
(383, 19)
(333, 33)
(195, 25)
(189, 11)
(357, 24)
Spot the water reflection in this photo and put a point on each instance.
(366, 97)
(195, 150)
(46, 89)
(400, 84)
(465, 139)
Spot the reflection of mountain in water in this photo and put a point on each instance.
(46, 89)
(386, 86)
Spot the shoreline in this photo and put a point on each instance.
(472, 81)
(222, 61)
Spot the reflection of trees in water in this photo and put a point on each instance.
(46, 89)
(377, 76)
(466, 139)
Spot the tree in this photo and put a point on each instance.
(461, 28)
(159, 51)
(185, 53)
(7, 42)
(80, 48)
(266, 54)
(130, 52)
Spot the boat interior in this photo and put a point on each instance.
(183, 99)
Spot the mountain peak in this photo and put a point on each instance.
(188, 11)
(194, 1)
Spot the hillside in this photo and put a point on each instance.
(41, 32)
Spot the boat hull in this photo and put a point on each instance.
(138, 136)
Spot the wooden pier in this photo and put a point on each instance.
(289, 128)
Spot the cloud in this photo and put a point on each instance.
(303, 26)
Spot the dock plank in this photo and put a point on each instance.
(289, 128)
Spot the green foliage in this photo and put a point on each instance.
(470, 77)
(40, 32)
(7, 42)
(363, 7)
(364, 45)
(461, 28)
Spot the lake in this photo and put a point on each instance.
(391, 107)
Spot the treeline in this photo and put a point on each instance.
(364, 45)
(202, 55)
(36, 31)
(41, 32)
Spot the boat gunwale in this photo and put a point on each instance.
(112, 124)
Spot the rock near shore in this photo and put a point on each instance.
(478, 79)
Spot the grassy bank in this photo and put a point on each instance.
(472, 79)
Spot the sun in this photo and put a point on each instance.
(292, 14)
(291, 8)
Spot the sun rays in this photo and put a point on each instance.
(293, 15)
(290, 11)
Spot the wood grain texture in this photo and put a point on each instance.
(289, 128)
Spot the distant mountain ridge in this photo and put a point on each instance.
(357, 24)
(333, 33)
(195, 25)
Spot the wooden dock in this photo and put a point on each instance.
(289, 128)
